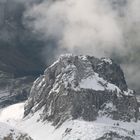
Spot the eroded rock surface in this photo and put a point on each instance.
(82, 87)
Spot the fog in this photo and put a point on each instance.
(103, 28)
(107, 28)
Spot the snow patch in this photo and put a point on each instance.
(91, 83)
(129, 92)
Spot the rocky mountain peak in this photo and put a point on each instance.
(82, 87)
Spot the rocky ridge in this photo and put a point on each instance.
(82, 87)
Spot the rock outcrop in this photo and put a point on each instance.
(82, 87)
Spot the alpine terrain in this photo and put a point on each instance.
(77, 98)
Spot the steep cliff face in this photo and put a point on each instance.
(82, 87)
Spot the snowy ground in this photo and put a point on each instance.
(8, 119)
(6, 130)
(12, 114)
(70, 130)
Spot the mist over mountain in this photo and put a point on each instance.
(101, 28)
(91, 92)
(34, 33)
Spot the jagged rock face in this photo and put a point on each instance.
(82, 87)
(109, 71)
(13, 90)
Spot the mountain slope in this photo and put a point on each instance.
(8, 118)
(69, 130)
(78, 98)
(82, 97)
(82, 87)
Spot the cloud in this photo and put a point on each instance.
(95, 27)
(81, 26)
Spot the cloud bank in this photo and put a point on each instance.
(81, 26)
(96, 27)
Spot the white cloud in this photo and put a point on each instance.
(95, 27)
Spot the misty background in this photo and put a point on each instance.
(34, 33)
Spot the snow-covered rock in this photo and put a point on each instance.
(82, 87)
(101, 129)
(77, 98)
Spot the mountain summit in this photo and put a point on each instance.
(82, 87)
(77, 98)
